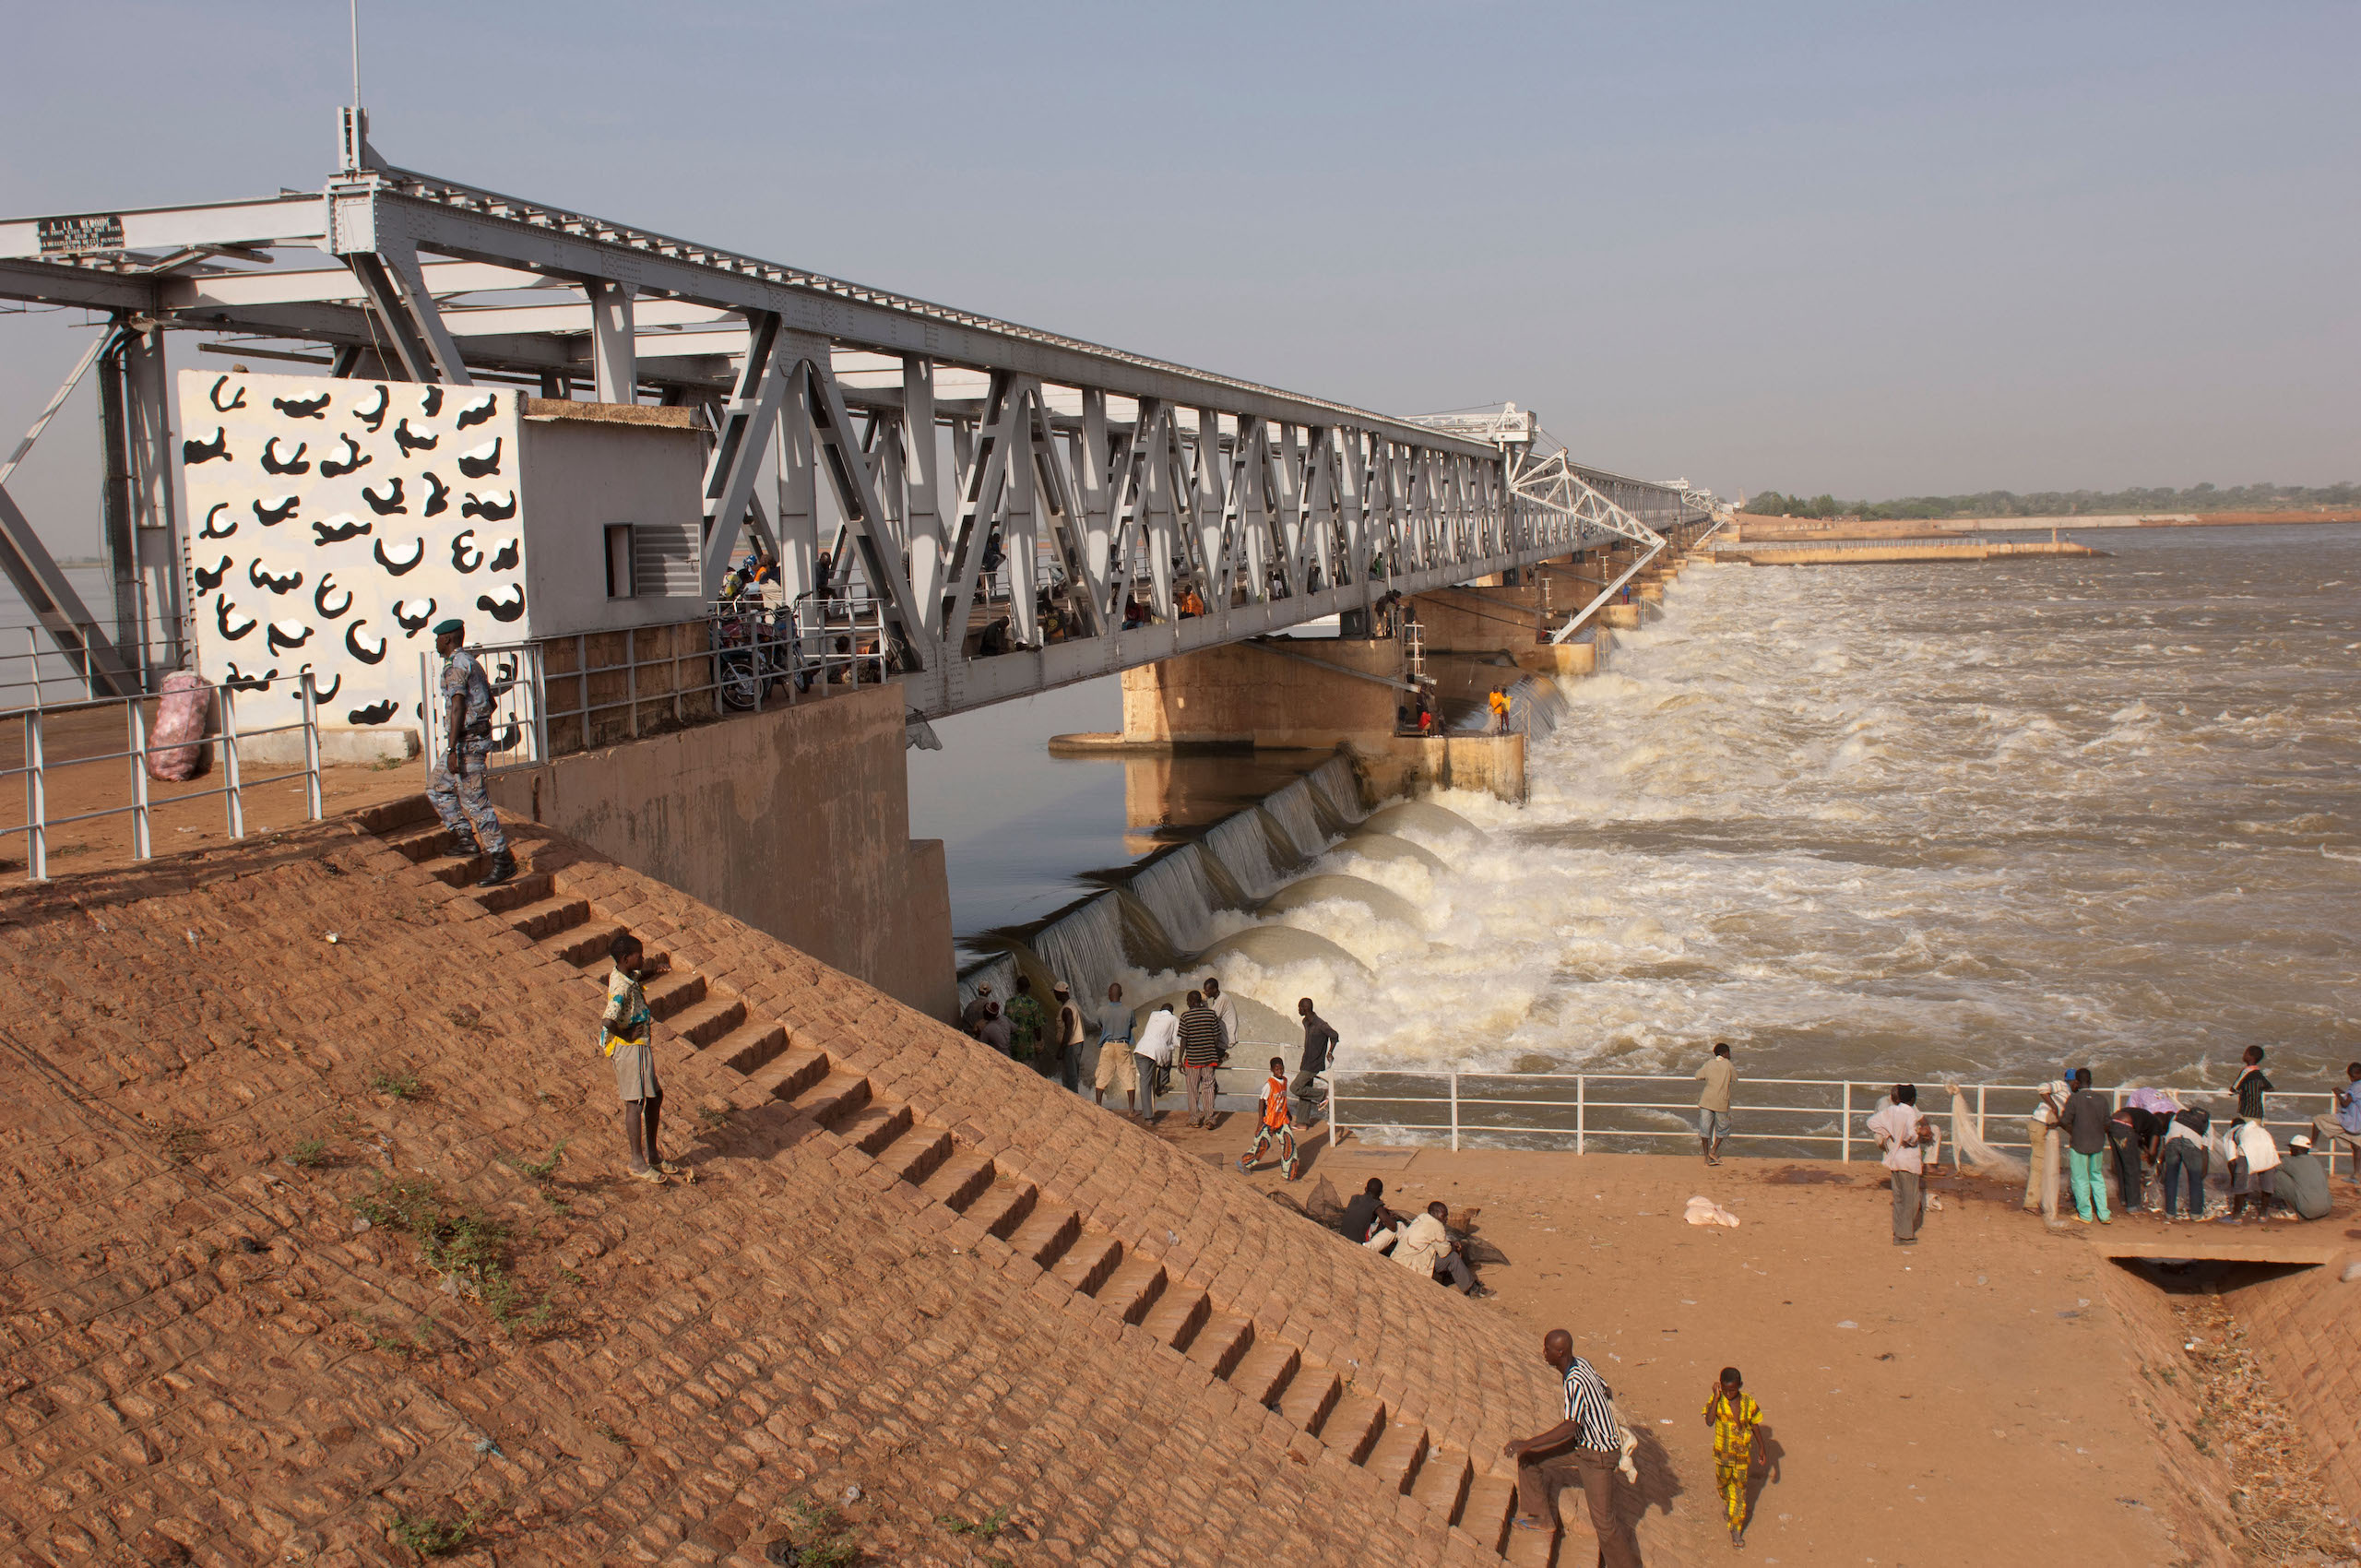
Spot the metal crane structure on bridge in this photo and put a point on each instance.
(916, 447)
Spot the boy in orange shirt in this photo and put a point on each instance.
(1277, 1123)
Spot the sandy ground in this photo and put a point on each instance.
(1968, 1400)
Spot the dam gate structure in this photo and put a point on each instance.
(413, 398)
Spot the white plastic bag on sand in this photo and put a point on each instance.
(1970, 1145)
(1705, 1211)
(175, 748)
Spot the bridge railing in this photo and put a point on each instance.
(55, 741)
(552, 696)
(1640, 1112)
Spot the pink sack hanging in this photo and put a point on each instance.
(176, 745)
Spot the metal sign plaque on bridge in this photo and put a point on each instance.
(78, 236)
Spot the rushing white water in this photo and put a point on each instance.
(1174, 891)
(1942, 819)
(1292, 808)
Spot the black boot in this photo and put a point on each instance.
(504, 866)
(460, 845)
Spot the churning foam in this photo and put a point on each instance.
(1907, 821)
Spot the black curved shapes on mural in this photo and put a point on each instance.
(438, 496)
(475, 413)
(262, 579)
(375, 713)
(354, 457)
(497, 510)
(500, 609)
(410, 443)
(352, 645)
(238, 681)
(320, 598)
(221, 608)
(208, 530)
(473, 466)
(372, 420)
(270, 517)
(318, 695)
(506, 673)
(412, 625)
(207, 581)
(391, 503)
(214, 398)
(338, 528)
(399, 568)
(195, 452)
(460, 553)
(431, 404)
(293, 464)
(505, 560)
(280, 642)
(302, 407)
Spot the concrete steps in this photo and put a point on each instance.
(1133, 1290)
(1004, 1205)
(1443, 1484)
(958, 1181)
(1263, 1376)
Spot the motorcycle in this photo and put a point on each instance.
(756, 651)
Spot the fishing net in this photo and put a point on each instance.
(1969, 1145)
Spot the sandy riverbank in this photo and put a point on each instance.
(2000, 1394)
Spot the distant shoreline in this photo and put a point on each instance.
(2001, 525)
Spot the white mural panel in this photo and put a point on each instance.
(333, 522)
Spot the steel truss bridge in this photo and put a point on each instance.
(920, 450)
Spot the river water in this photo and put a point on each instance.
(1889, 821)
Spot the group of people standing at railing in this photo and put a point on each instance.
(2173, 1135)
(2159, 1133)
(1138, 1060)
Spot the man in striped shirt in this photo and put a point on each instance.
(1203, 1044)
(1591, 1444)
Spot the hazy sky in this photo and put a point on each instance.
(1873, 249)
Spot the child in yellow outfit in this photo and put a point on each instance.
(1732, 1415)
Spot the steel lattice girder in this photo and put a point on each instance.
(1249, 494)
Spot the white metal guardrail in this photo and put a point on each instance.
(1622, 1110)
(37, 767)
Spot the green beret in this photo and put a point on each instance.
(453, 627)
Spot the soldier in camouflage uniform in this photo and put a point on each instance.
(456, 791)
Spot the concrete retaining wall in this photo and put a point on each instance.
(795, 821)
(1418, 765)
(1307, 692)
(2307, 1331)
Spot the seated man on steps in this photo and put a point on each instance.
(1366, 1212)
(1582, 1450)
(1424, 1247)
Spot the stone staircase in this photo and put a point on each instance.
(781, 1076)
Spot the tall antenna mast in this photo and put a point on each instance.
(353, 150)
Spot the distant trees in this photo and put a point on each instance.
(2064, 502)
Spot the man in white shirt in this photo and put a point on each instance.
(1158, 1038)
(1902, 1135)
(1224, 1009)
(2044, 1141)
(1719, 1075)
(1425, 1248)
